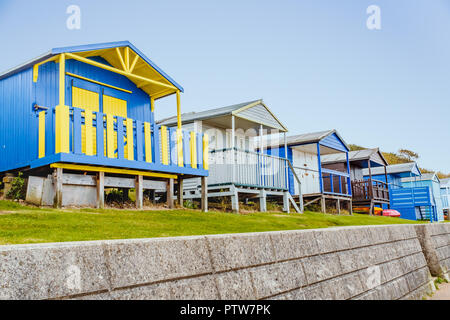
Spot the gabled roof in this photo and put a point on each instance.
(240, 110)
(402, 169)
(374, 155)
(424, 177)
(308, 138)
(445, 182)
(143, 67)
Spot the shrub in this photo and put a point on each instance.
(18, 188)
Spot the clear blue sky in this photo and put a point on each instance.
(314, 62)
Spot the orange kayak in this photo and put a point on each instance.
(377, 211)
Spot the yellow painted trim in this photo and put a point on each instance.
(193, 150)
(98, 82)
(119, 54)
(133, 65)
(112, 170)
(180, 148)
(127, 58)
(62, 129)
(178, 109)
(41, 134)
(88, 117)
(164, 147)
(110, 135)
(112, 69)
(62, 79)
(37, 65)
(130, 139)
(205, 152)
(148, 142)
(152, 104)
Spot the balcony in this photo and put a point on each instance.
(248, 169)
(367, 190)
(74, 135)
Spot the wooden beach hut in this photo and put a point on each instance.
(78, 119)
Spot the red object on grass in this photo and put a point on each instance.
(391, 213)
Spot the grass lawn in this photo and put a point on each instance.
(22, 224)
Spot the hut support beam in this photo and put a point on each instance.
(58, 185)
(263, 201)
(101, 190)
(180, 192)
(139, 192)
(169, 192)
(204, 199)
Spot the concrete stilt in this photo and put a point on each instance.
(286, 205)
(234, 199)
(263, 201)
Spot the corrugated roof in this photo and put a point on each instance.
(214, 113)
(90, 47)
(423, 177)
(394, 168)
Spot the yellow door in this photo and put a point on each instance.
(116, 107)
(89, 101)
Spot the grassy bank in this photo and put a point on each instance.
(22, 224)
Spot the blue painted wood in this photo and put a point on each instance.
(173, 159)
(333, 141)
(139, 141)
(77, 131)
(156, 144)
(320, 168)
(99, 123)
(126, 164)
(120, 139)
(186, 149)
(200, 150)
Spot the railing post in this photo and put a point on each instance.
(77, 131)
(62, 139)
(156, 144)
(41, 147)
(100, 136)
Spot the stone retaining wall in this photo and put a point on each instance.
(376, 262)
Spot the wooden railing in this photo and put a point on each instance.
(85, 133)
(370, 190)
(247, 168)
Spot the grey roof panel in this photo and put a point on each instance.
(394, 168)
(357, 155)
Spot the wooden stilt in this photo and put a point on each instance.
(101, 190)
(323, 204)
(57, 182)
(169, 193)
(350, 207)
(139, 184)
(371, 208)
(180, 192)
(204, 199)
(338, 206)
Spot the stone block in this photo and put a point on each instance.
(294, 244)
(274, 279)
(243, 250)
(52, 270)
(135, 262)
(235, 285)
(331, 240)
(321, 267)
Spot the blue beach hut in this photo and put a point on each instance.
(90, 109)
